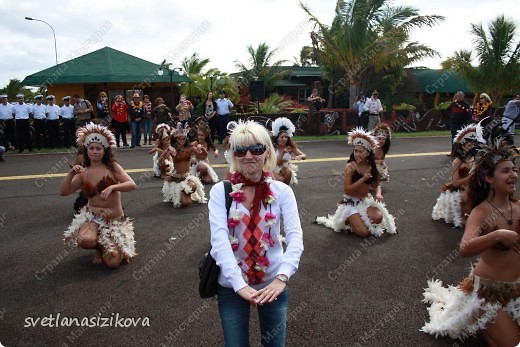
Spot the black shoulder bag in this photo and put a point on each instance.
(208, 268)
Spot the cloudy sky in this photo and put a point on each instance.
(218, 30)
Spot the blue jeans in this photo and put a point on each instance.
(2, 151)
(148, 127)
(234, 315)
(136, 133)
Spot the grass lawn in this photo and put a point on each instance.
(394, 135)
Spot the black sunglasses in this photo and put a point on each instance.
(257, 149)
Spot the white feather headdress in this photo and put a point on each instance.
(359, 137)
(467, 133)
(181, 131)
(95, 133)
(283, 124)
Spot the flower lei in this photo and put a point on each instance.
(267, 240)
(136, 107)
(479, 110)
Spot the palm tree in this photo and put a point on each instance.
(261, 66)
(307, 57)
(194, 65)
(368, 37)
(12, 88)
(497, 56)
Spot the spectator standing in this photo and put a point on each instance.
(362, 120)
(223, 111)
(103, 108)
(40, 122)
(315, 105)
(374, 110)
(52, 112)
(210, 111)
(67, 118)
(147, 120)
(185, 108)
(483, 108)
(120, 119)
(22, 114)
(255, 267)
(460, 114)
(511, 114)
(82, 110)
(161, 113)
(136, 112)
(6, 117)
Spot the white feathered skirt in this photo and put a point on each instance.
(115, 235)
(462, 311)
(350, 206)
(294, 170)
(211, 171)
(172, 190)
(448, 207)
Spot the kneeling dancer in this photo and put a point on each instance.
(359, 212)
(101, 224)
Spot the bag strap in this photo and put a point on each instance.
(227, 190)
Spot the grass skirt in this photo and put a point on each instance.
(116, 235)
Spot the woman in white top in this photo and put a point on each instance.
(246, 242)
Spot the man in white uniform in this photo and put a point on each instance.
(6, 117)
(52, 113)
(40, 122)
(67, 117)
(22, 113)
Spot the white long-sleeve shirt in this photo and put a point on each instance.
(231, 275)
(374, 106)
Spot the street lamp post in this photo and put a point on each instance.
(53, 33)
(170, 72)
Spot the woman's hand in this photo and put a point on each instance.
(269, 294)
(247, 293)
(216, 153)
(106, 192)
(379, 198)
(76, 169)
(367, 175)
(509, 239)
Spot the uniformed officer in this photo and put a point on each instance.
(6, 117)
(67, 118)
(40, 122)
(52, 112)
(22, 114)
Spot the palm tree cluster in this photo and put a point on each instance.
(496, 53)
(367, 39)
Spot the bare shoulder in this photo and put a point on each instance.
(350, 168)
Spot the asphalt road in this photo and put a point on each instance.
(347, 292)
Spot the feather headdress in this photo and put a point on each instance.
(283, 124)
(181, 131)
(382, 130)
(95, 133)
(488, 157)
(467, 133)
(359, 137)
(488, 129)
(163, 130)
(231, 126)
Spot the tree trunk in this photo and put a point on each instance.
(353, 93)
